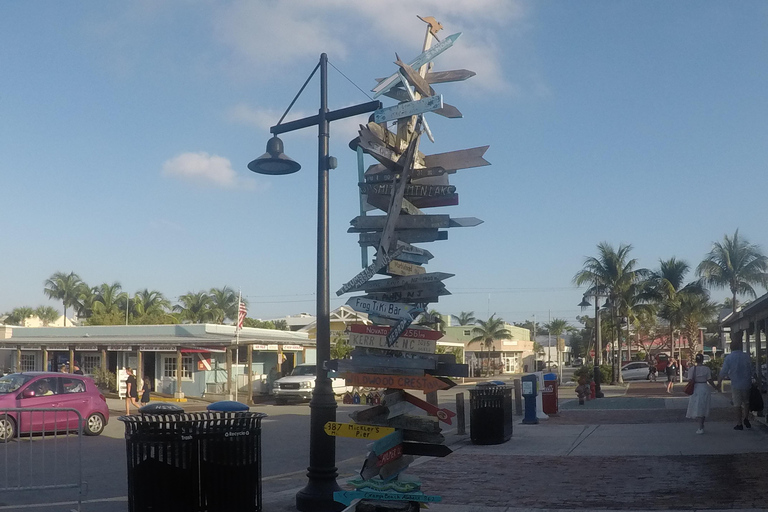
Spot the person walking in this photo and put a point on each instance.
(738, 367)
(131, 391)
(146, 388)
(698, 404)
(671, 370)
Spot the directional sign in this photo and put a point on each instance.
(416, 174)
(419, 61)
(396, 282)
(443, 415)
(408, 108)
(346, 497)
(385, 443)
(414, 78)
(382, 203)
(424, 383)
(356, 431)
(369, 271)
(426, 293)
(413, 258)
(414, 332)
(393, 310)
(376, 222)
(412, 249)
(409, 235)
(454, 160)
(399, 485)
(388, 456)
(425, 449)
(434, 202)
(454, 75)
(401, 268)
(411, 190)
(398, 329)
(401, 343)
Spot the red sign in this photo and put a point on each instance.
(388, 456)
(424, 383)
(382, 330)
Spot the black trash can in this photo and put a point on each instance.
(206, 462)
(490, 414)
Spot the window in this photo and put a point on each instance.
(169, 367)
(27, 363)
(71, 385)
(44, 387)
(467, 332)
(90, 363)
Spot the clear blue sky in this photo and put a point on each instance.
(126, 128)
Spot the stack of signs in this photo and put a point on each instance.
(392, 354)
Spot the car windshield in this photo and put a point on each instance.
(304, 370)
(12, 382)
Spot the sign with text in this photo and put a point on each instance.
(356, 431)
(424, 383)
(401, 343)
(394, 310)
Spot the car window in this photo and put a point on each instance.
(304, 370)
(70, 385)
(44, 387)
(12, 382)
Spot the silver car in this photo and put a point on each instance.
(636, 370)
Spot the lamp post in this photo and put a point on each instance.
(596, 375)
(322, 470)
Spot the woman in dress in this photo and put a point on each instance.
(671, 370)
(698, 404)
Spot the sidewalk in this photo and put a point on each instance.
(633, 450)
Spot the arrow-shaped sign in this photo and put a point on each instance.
(461, 159)
(346, 497)
(394, 310)
(411, 189)
(414, 332)
(399, 485)
(414, 78)
(369, 271)
(396, 282)
(408, 108)
(419, 61)
(425, 449)
(443, 415)
(409, 235)
(398, 329)
(424, 383)
(416, 174)
(385, 443)
(376, 222)
(356, 431)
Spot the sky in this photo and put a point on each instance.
(126, 129)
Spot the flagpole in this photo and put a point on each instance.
(237, 338)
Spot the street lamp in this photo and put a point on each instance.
(596, 375)
(322, 470)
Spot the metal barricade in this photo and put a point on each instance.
(38, 450)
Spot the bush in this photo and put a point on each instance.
(715, 365)
(588, 371)
(105, 379)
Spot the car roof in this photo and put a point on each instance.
(49, 374)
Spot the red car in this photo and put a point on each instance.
(50, 390)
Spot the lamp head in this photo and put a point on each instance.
(584, 303)
(274, 161)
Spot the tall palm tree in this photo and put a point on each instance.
(47, 315)
(433, 319)
(556, 327)
(108, 298)
(695, 311)
(19, 315)
(488, 331)
(736, 264)
(611, 274)
(86, 298)
(146, 302)
(195, 308)
(224, 304)
(63, 287)
(667, 289)
(465, 318)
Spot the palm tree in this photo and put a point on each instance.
(736, 264)
(108, 298)
(610, 274)
(147, 302)
(86, 297)
(64, 287)
(224, 304)
(433, 319)
(281, 325)
(465, 318)
(47, 315)
(489, 331)
(195, 308)
(695, 310)
(19, 315)
(556, 327)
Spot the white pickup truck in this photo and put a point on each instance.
(298, 386)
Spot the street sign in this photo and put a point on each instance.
(399, 485)
(419, 61)
(388, 362)
(454, 75)
(356, 431)
(396, 330)
(396, 282)
(376, 222)
(424, 383)
(443, 415)
(426, 293)
(401, 343)
(385, 443)
(369, 271)
(405, 422)
(408, 235)
(416, 174)
(401, 268)
(435, 202)
(414, 332)
(414, 78)
(388, 456)
(408, 108)
(346, 497)
(392, 310)
(382, 203)
(455, 160)
(425, 450)
(411, 190)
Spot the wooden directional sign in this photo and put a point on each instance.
(443, 415)
(411, 190)
(401, 343)
(416, 174)
(400, 94)
(397, 329)
(408, 108)
(401, 268)
(346, 497)
(369, 271)
(414, 332)
(426, 293)
(424, 383)
(419, 61)
(409, 235)
(410, 363)
(382, 203)
(399, 485)
(414, 78)
(405, 422)
(385, 443)
(388, 456)
(356, 431)
(412, 249)
(425, 449)
(376, 222)
(455, 160)
(413, 258)
(396, 282)
(434, 202)
(454, 75)
(393, 310)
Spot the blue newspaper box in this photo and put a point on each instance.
(530, 391)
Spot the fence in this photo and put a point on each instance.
(37, 451)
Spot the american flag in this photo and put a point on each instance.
(242, 311)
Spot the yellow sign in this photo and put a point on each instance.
(356, 431)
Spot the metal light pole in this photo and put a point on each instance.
(317, 496)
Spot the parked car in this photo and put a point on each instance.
(578, 361)
(299, 384)
(636, 370)
(551, 364)
(46, 389)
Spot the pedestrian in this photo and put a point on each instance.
(738, 367)
(583, 390)
(671, 371)
(146, 388)
(698, 404)
(77, 371)
(131, 391)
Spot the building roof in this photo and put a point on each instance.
(755, 311)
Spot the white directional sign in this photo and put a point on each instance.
(407, 109)
(392, 310)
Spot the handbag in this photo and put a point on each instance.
(691, 384)
(755, 399)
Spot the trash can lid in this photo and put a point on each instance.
(491, 383)
(227, 406)
(550, 376)
(161, 408)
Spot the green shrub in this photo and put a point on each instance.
(588, 370)
(105, 379)
(715, 365)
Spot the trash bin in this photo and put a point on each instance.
(206, 462)
(490, 414)
(549, 394)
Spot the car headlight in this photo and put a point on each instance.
(308, 384)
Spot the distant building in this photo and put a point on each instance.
(510, 355)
